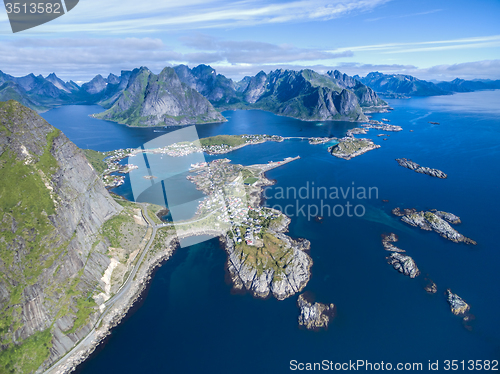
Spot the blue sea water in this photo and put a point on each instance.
(189, 321)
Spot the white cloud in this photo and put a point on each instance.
(251, 52)
(84, 58)
(404, 15)
(125, 16)
(462, 43)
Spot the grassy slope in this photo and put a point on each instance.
(273, 255)
(230, 140)
(95, 159)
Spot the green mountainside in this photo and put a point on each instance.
(160, 100)
(52, 251)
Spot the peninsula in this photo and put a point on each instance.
(261, 258)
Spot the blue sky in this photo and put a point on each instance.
(438, 39)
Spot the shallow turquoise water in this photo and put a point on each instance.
(189, 322)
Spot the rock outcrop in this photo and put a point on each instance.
(449, 217)
(430, 287)
(305, 95)
(387, 241)
(432, 221)
(409, 164)
(218, 89)
(314, 316)
(457, 304)
(403, 264)
(367, 98)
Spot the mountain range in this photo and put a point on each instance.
(398, 85)
(181, 95)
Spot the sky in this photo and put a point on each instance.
(432, 40)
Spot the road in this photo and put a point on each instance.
(87, 341)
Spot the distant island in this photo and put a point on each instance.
(434, 220)
(409, 164)
(401, 86)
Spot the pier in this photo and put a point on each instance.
(271, 165)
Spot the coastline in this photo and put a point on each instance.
(117, 312)
(365, 110)
(121, 308)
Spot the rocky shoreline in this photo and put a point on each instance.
(274, 138)
(377, 125)
(118, 311)
(293, 279)
(409, 164)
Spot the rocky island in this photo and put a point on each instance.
(387, 241)
(409, 164)
(430, 287)
(402, 263)
(458, 306)
(377, 125)
(350, 147)
(434, 221)
(314, 316)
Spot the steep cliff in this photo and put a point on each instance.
(52, 258)
(255, 87)
(204, 79)
(366, 96)
(160, 100)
